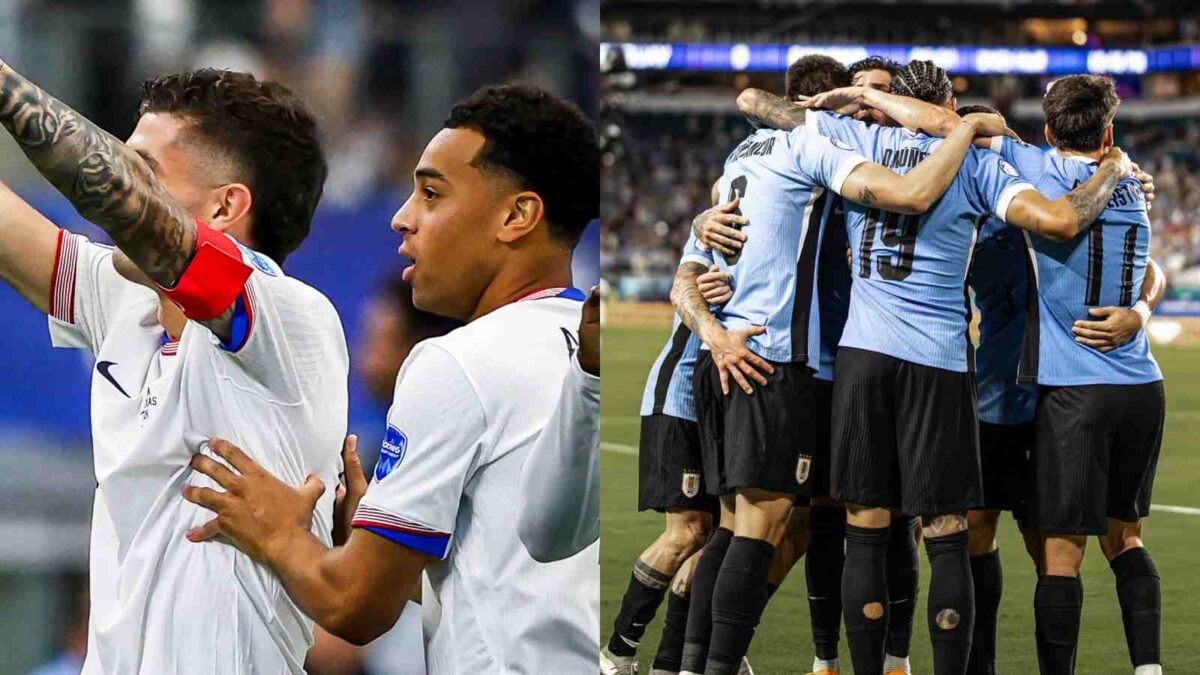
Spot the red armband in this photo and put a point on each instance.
(213, 280)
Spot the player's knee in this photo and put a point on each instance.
(981, 531)
(943, 525)
(688, 532)
(1121, 537)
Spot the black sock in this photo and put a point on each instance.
(699, 621)
(988, 580)
(951, 602)
(823, 571)
(865, 596)
(647, 586)
(670, 647)
(1057, 606)
(1141, 599)
(903, 581)
(738, 602)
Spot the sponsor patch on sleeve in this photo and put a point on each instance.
(395, 444)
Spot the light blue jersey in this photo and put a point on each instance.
(785, 180)
(1103, 266)
(832, 292)
(910, 272)
(669, 385)
(1000, 272)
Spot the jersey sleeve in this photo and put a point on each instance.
(560, 480)
(826, 161)
(847, 130)
(1029, 160)
(997, 183)
(694, 251)
(433, 445)
(85, 292)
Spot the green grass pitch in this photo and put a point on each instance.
(783, 643)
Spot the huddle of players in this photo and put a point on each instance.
(896, 363)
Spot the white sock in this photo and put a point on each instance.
(822, 664)
(1148, 669)
(896, 663)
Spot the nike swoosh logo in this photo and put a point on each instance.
(103, 367)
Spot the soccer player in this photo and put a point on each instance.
(1099, 413)
(874, 72)
(749, 446)
(905, 434)
(669, 481)
(502, 195)
(195, 330)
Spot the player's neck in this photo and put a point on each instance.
(1095, 154)
(515, 283)
(171, 318)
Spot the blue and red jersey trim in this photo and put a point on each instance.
(403, 531)
(559, 292)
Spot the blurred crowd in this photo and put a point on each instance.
(659, 171)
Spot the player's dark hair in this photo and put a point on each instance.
(924, 81)
(418, 323)
(874, 63)
(267, 132)
(542, 143)
(813, 74)
(964, 110)
(1078, 109)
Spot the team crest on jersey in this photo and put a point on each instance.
(803, 467)
(691, 484)
(1008, 169)
(839, 144)
(395, 444)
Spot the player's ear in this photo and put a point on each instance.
(525, 211)
(1108, 138)
(953, 103)
(1049, 136)
(228, 206)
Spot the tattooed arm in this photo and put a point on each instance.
(768, 110)
(729, 351)
(875, 185)
(107, 182)
(1064, 218)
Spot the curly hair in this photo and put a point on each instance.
(268, 134)
(923, 80)
(542, 143)
(874, 63)
(964, 110)
(814, 74)
(1078, 109)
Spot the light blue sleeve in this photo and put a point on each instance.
(857, 135)
(997, 182)
(1029, 160)
(694, 251)
(822, 160)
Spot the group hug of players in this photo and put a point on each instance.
(821, 396)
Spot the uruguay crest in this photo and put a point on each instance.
(802, 469)
(691, 484)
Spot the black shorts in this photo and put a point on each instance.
(1004, 452)
(1095, 456)
(905, 435)
(670, 472)
(776, 439)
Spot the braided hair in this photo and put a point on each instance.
(924, 81)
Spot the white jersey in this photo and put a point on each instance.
(560, 481)
(162, 604)
(468, 408)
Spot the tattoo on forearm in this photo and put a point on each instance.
(943, 525)
(866, 197)
(772, 111)
(688, 300)
(107, 182)
(1089, 199)
(698, 224)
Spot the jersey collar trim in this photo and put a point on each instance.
(168, 347)
(559, 292)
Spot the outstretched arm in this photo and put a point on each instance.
(912, 114)
(1064, 218)
(28, 247)
(768, 110)
(110, 185)
(875, 185)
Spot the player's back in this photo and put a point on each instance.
(1102, 266)
(910, 271)
(502, 611)
(1000, 278)
(784, 180)
(277, 389)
